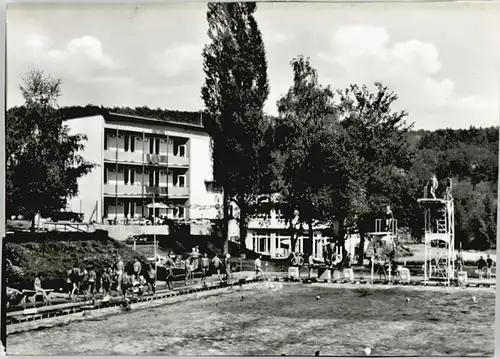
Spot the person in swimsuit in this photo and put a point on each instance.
(311, 265)
(227, 265)
(216, 263)
(137, 267)
(126, 283)
(434, 186)
(481, 265)
(188, 268)
(169, 266)
(489, 265)
(151, 278)
(258, 267)
(205, 268)
(69, 286)
(120, 270)
(106, 282)
(92, 281)
(37, 285)
(85, 281)
(75, 280)
(389, 217)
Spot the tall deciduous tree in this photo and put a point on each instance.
(42, 161)
(376, 133)
(235, 90)
(306, 114)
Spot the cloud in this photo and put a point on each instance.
(36, 42)
(178, 59)
(83, 53)
(91, 48)
(410, 68)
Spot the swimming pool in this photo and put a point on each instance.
(261, 319)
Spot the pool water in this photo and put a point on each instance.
(293, 320)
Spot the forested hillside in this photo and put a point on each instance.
(470, 157)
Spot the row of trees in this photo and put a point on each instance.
(338, 157)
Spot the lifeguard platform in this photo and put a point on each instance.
(439, 237)
(386, 232)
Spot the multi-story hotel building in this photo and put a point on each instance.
(139, 158)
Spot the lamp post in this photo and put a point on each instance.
(154, 237)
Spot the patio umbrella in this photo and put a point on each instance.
(158, 205)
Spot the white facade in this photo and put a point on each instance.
(90, 186)
(137, 157)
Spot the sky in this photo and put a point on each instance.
(441, 59)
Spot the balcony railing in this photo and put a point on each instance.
(178, 161)
(174, 192)
(154, 159)
(122, 189)
(135, 157)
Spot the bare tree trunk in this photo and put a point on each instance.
(361, 249)
(33, 224)
(308, 245)
(293, 238)
(225, 204)
(341, 236)
(243, 226)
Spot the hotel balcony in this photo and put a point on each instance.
(170, 161)
(152, 159)
(178, 161)
(132, 190)
(131, 157)
(173, 192)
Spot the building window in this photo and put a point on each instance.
(127, 138)
(151, 178)
(262, 243)
(180, 150)
(126, 175)
(105, 141)
(132, 143)
(105, 176)
(157, 146)
(132, 176)
(151, 146)
(182, 181)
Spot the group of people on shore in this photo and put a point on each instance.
(194, 262)
(91, 280)
(485, 266)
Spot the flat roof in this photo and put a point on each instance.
(113, 116)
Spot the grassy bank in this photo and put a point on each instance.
(49, 255)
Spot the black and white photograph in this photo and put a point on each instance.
(251, 179)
